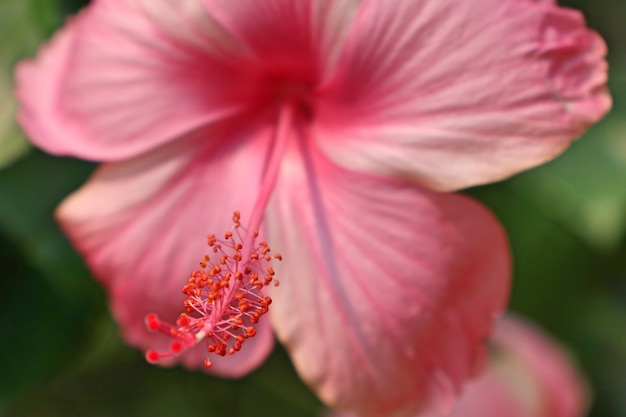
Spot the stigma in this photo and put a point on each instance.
(224, 298)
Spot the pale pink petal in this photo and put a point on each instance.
(492, 395)
(125, 76)
(296, 42)
(528, 376)
(487, 397)
(387, 290)
(142, 227)
(560, 389)
(458, 93)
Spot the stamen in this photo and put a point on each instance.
(281, 138)
(224, 297)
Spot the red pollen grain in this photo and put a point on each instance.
(152, 322)
(152, 356)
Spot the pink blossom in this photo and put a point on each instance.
(332, 126)
(528, 375)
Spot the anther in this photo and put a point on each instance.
(224, 300)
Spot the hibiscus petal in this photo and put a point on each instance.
(295, 41)
(560, 391)
(387, 290)
(528, 376)
(125, 76)
(454, 94)
(142, 227)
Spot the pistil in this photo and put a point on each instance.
(224, 298)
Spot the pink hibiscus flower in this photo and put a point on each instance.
(332, 126)
(528, 375)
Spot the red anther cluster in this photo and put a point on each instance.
(224, 297)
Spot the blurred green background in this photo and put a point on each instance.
(60, 354)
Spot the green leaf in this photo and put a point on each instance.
(41, 329)
(551, 264)
(24, 25)
(29, 192)
(48, 298)
(584, 190)
(602, 342)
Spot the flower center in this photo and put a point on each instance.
(224, 298)
(293, 92)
